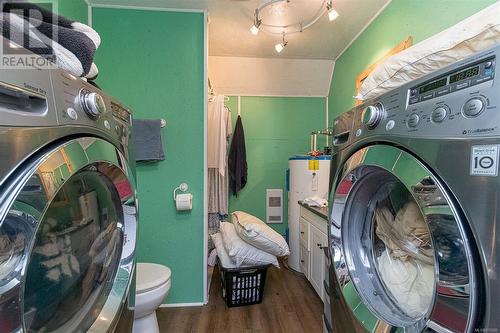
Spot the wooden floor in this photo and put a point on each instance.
(290, 305)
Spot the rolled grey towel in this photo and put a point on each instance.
(70, 45)
(148, 142)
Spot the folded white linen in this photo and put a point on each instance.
(224, 258)
(241, 252)
(255, 232)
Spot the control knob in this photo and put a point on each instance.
(372, 115)
(474, 107)
(92, 103)
(439, 114)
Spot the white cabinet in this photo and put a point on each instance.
(313, 237)
(304, 261)
(317, 270)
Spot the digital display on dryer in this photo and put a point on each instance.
(469, 72)
(433, 85)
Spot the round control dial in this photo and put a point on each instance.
(92, 103)
(439, 114)
(473, 107)
(413, 120)
(372, 115)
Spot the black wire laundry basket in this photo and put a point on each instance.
(243, 285)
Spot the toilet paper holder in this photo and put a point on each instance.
(183, 187)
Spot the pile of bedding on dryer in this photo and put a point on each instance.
(473, 34)
(247, 242)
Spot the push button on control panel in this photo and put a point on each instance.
(71, 113)
(390, 125)
(439, 114)
(413, 120)
(473, 107)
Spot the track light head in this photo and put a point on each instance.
(332, 13)
(280, 46)
(256, 24)
(255, 28)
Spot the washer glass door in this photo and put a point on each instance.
(67, 240)
(401, 253)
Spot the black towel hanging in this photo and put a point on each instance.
(237, 163)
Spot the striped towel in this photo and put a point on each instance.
(68, 44)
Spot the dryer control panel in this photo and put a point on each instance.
(458, 101)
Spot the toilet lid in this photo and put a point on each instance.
(150, 276)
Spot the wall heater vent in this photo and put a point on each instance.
(274, 206)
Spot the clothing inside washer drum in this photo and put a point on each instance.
(406, 266)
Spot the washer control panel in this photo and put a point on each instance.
(78, 103)
(459, 101)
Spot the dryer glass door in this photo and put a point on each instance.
(67, 240)
(401, 252)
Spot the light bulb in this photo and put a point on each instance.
(279, 47)
(332, 14)
(254, 30)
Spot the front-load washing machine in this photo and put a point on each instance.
(67, 205)
(415, 199)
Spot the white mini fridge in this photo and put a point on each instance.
(308, 176)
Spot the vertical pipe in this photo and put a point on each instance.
(239, 105)
(327, 120)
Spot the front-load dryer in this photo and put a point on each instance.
(415, 199)
(67, 204)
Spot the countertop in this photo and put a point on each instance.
(320, 211)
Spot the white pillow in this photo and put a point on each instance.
(254, 231)
(241, 252)
(476, 33)
(224, 258)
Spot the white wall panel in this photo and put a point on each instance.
(245, 76)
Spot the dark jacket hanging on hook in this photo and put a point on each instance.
(237, 163)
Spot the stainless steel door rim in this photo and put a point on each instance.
(29, 195)
(366, 180)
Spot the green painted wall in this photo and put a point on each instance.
(153, 61)
(401, 18)
(275, 129)
(74, 9)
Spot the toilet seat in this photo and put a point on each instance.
(151, 276)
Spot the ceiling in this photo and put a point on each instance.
(230, 21)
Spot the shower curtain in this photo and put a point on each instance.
(219, 131)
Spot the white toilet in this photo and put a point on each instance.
(152, 286)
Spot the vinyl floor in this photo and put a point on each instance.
(289, 305)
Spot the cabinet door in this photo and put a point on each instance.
(304, 261)
(317, 273)
(304, 233)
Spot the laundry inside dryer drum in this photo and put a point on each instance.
(389, 238)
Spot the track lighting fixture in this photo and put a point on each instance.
(295, 27)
